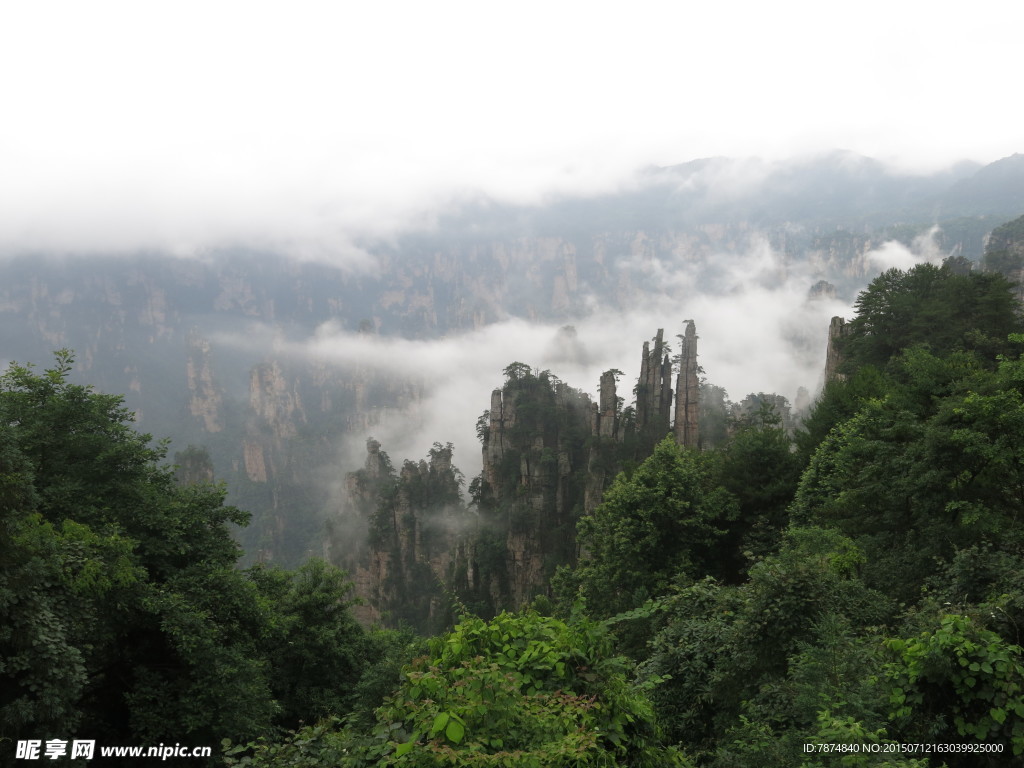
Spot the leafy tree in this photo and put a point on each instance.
(517, 371)
(830, 696)
(761, 470)
(739, 662)
(665, 519)
(959, 682)
(53, 582)
(193, 465)
(936, 466)
(713, 408)
(934, 306)
(840, 400)
(519, 690)
(121, 611)
(391, 651)
(315, 648)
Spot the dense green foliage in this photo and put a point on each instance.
(875, 592)
(933, 468)
(122, 615)
(1005, 252)
(521, 690)
(859, 584)
(935, 306)
(315, 650)
(669, 515)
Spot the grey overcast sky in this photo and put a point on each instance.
(184, 125)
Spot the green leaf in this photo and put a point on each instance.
(439, 723)
(404, 747)
(455, 731)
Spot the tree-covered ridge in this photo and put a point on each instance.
(122, 615)
(889, 609)
(943, 308)
(1005, 251)
(400, 536)
(857, 584)
(521, 690)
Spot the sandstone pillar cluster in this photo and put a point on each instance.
(654, 389)
(549, 452)
(654, 393)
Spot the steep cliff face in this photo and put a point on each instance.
(548, 454)
(532, 488)
(1004, 253)
(654, 392)
(296, 415)
(205, 399)
(608, 429)
(399, 536)
(833, 358)
(686, 428)
(184, 339)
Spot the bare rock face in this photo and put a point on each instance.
(686, 427)
(822, 290)
(375, 462)
(656, 413)
(608, 432)
(548, 454)
(654, 389)
(1004, 253)
(275, 399)
(837, 330)
(205, 400)
(253, 456)
(531, 489)
(608, 413)
(399, 536)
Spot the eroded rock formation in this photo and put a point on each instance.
(833, 358)
(686, 427)
(548, 454)
(532, 487)
(654, 388)
(399, 535)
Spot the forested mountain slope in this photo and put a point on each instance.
(213, 350)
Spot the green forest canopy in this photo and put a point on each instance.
(729, 606)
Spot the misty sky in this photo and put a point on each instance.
(315, 128)
(305, 125)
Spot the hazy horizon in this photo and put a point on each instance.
(309, 127)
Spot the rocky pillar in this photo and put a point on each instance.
(833, 358)
(665, 395)
(374, 461)
(642, 414)
(687, 390)
(494, 444)
(607, 413)
(654, 392)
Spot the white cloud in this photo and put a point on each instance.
(309, 126)
(758, 332)
(924, 249)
